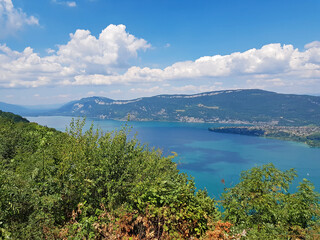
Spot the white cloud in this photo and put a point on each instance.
(50, 51)
(271, 59)
(26, 68)
(71, 4)
(275, 65)
(82, 55)
(112, 49)
(314, 44)
(65, 3)
(13, 19)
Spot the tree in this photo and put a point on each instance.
(262, 206)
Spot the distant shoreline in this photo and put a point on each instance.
(309, 135)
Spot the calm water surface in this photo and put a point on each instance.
(210, 157)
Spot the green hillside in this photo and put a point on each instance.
(93, 185)
(13, 117)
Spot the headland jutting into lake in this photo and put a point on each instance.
(306, 134)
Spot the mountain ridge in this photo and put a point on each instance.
(242, 106)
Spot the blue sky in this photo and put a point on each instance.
(54, 51)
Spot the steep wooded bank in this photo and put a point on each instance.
(94, 185)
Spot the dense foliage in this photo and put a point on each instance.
(46, 175)
(314, 140)
(261, 204)
(94, 185)
(5, 116)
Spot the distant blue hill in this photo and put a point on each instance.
(28, 110)
(229, 106)
(13, 108)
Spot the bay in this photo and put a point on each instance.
(215, 160)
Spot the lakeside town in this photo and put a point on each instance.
(306, 134)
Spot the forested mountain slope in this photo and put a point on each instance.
(13, 117)
(234, 106)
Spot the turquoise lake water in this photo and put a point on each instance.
(210, 157)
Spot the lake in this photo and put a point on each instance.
(210, 157)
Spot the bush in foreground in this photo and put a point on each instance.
(261, 205)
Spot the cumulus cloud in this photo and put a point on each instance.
(274, 65)
(26, 68)
(82, 55)
(113, 48)
(13, 19)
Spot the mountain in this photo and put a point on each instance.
(13, 108)
(229, 106)
(28, 110)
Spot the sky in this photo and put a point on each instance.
(55, 51)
